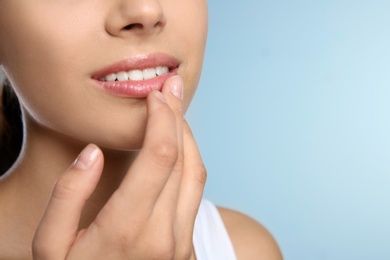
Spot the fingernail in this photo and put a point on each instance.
(87, 157)
(177, 86)
(159, 96)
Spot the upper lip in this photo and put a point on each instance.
(138, 62)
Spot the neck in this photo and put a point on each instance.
(25, 190)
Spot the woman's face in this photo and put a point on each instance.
(64, 59)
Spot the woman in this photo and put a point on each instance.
(118, 74)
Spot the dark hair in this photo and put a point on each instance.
(11, 127)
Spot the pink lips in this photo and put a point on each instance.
(135, 88)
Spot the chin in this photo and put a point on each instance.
(125, 146)
(120, 141)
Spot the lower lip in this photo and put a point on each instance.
(135, 89)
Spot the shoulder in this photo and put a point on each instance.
(250, 239)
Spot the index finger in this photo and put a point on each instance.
(151, 169)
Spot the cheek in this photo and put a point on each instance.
(45, 43)
(86, 118)
(57, 94)
(45, 63)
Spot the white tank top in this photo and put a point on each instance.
(211, 240)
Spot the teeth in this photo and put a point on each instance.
(122, 76)
(161, 70)
(149, 73)
(111, 77)
(137, 74)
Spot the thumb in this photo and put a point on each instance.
(58, 227)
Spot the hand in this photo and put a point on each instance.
(152, 213)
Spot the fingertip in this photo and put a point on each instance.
(87, 157)
(176, 85)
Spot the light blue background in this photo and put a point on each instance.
(292, 120)
(292, 117)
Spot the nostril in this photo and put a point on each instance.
(128, 27)
(132, 26)
(141, 26)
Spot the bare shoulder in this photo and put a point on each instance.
(250, 239)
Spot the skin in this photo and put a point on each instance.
(144, 166)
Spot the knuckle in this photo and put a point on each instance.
(164, 154)
(64, 189)
(200, 173)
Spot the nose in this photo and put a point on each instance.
(142, 17)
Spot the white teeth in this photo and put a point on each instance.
(135, 75)
(161, 70)
(149, 73)
(122, 76)
(111, 77)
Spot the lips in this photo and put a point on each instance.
(137, 76)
